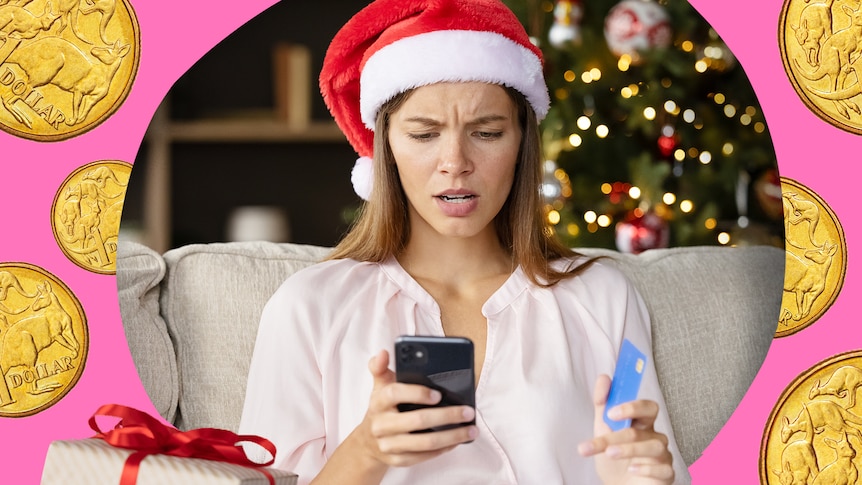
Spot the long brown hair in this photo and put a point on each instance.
(383, 228)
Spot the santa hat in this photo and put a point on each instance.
(392, 46)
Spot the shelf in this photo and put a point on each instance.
(241, 130)
(247, 126)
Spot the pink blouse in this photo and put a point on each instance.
(309, 384)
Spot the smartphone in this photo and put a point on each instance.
(626, 382)
(441, 363)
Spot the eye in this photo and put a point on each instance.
(421, 136)
(488, 135)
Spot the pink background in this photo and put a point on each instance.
(808, 150)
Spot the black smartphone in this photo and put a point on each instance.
(441, 363)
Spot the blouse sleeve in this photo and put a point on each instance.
(619, 312)
(283, 400)
(637, 328)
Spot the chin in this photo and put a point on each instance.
(462, 230)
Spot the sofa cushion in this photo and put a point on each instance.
(714, 312)
(139, 273)
(212, 298)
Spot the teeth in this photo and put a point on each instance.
(456, 198)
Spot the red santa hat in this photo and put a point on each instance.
(392, 46)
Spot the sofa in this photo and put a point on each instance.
(191, 316)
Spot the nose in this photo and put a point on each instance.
(454, 159)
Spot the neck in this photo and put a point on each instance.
(455, 260)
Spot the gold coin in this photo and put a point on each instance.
(85, 216)
(818, 41)
(813, 431)
(65, 66)
(815, 258)
(43, 339)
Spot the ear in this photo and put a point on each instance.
(813, 392)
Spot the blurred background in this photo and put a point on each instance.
(655, 137)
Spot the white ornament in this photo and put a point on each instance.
(560, 35)
(567, 23)
(634, 26)
(552, 189)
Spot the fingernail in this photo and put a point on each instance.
(586, 448)
(435, 396)
(634, 468)
(469, 413)
(473, 432)
(612, 451)
(615, 413)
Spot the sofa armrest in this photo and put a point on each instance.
(140, 271)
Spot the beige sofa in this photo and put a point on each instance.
(191, 318)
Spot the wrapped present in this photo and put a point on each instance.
(140, 450)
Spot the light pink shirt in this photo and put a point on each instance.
(309, 384)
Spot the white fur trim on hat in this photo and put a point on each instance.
(362, 177)
(450, 55)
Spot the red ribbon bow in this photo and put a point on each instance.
(146, 435)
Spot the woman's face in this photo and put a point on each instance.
(456, 146)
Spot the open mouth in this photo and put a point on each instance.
(456, 199)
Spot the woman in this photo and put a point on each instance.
(444, 96)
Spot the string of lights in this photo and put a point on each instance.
(655, 137)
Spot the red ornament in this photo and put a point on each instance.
(641, 231)
(618, 191)
(767, 192)
(667, 144)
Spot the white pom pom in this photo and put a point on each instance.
(362, 177)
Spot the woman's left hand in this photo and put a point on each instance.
(634, 455)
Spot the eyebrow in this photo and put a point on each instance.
(482, 120)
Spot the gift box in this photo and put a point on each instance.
(95, 462)
(140, 450)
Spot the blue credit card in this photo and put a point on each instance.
(631, 364)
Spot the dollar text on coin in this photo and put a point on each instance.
(43, 339)
(65, 66)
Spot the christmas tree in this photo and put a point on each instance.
(655, 137)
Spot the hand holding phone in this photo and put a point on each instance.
(626, 382)
(441, 363)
